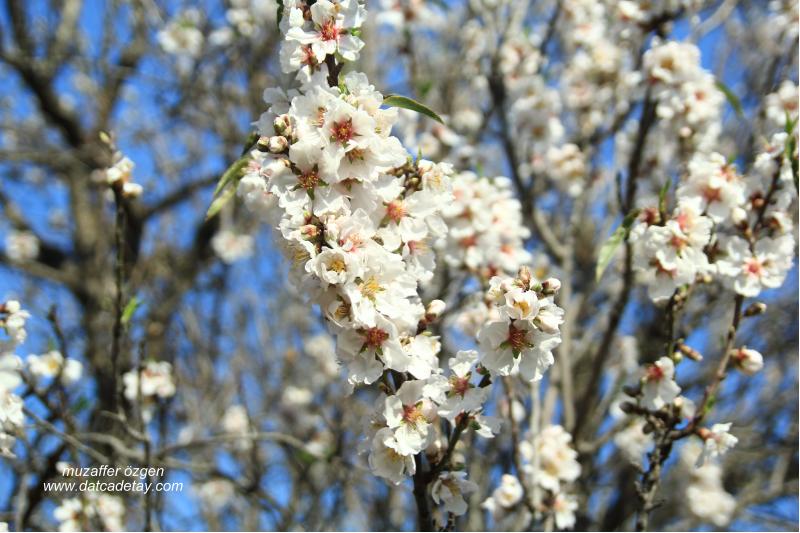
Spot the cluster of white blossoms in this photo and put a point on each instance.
(486, 238)
(485, 231)
(151, 382)
(406, 424)
(735, 228)
(525, 331)
(704, 494)
(360, 221)
(12, 324)
(552, 463)
(89, 510)
(599, 74)
(687, 99)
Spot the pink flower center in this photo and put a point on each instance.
(329, 31)
(753, 267)
(343, 131)
(417, 247)
(395, 210)
(468, 242)
(516, 338)
(412, 414)
(459, 385)
(375, 337)
(654, 373)
(677, 242)
(308, 56)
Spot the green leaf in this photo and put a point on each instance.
(790, 148)
(790, 124)
(230, 174)
(80, 405)
(394, 100)
(226, 187)
(219, 202)
(129, 310)
(613, 242)
(736, 104)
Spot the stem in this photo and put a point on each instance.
(118, 303)
(421, 480)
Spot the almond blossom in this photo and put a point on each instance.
(658, 384)
(717, 441)
(450, 489)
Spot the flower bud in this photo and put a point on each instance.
(524, 276)
(131, 190)
(309, 231)
(755, 309)
(262, 145)
(690, 352)
(747, 361)
(435, 309)
(278, 144)
(551, 286)
(738, 215)
(283, 125)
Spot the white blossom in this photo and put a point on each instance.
(450, 488)
(717, 442)
(658, 384)
(21, 245)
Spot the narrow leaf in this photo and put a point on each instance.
(736, 104)
(791, 147)
(226, 187)
(219, 202)
(129, 310)
(80, 405)
(230, 174)
(394, 100)
(613, 242)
